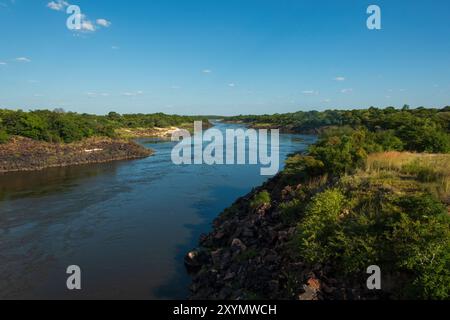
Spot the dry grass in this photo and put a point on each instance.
(431, 171)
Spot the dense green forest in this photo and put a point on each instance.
(60, 126)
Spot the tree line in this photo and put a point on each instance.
(421, 129)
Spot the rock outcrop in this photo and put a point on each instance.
(23, 154)
(248, 256)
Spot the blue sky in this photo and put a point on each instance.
(223, 57)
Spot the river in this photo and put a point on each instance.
(126, 224)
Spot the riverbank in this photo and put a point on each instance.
(139, 133)
(308, 235)
(23, 154)
(157, 132)
(283, 129)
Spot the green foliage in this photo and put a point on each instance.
(299, 167)
(389, 141)
(3, 136)
(344, 153)
(420, 241)
(408, 234)
(320, 221)
(260, 199)
(424, 136)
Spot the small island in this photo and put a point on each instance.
(42, 139)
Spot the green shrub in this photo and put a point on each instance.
(262, 198)
(389, 141)
(4, 137)
(407, 235)
(346, 153)
(299, 167)
(422, 248)
(320, 222)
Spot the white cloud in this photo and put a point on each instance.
(132, 94)
(104, 23)
(87, 25)
(345, 91)
(96, 94)
(207, 71)
(22, 59)
(3, 63)
(58, 5)
(310, 92)
(232, 85)
(115, 47)
(339, 79)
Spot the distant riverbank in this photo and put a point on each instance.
(283, 129)
(23, 154)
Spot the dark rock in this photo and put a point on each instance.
(238, 245)
(196, 259)
(216, 256)
(229, 276)
(274, 286)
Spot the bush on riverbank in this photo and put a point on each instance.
(4, 137)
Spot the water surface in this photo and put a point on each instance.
(126, 224)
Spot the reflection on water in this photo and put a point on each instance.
(41, 183)
(126, 224)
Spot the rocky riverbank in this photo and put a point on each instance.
(248, 256)
(23, 154)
